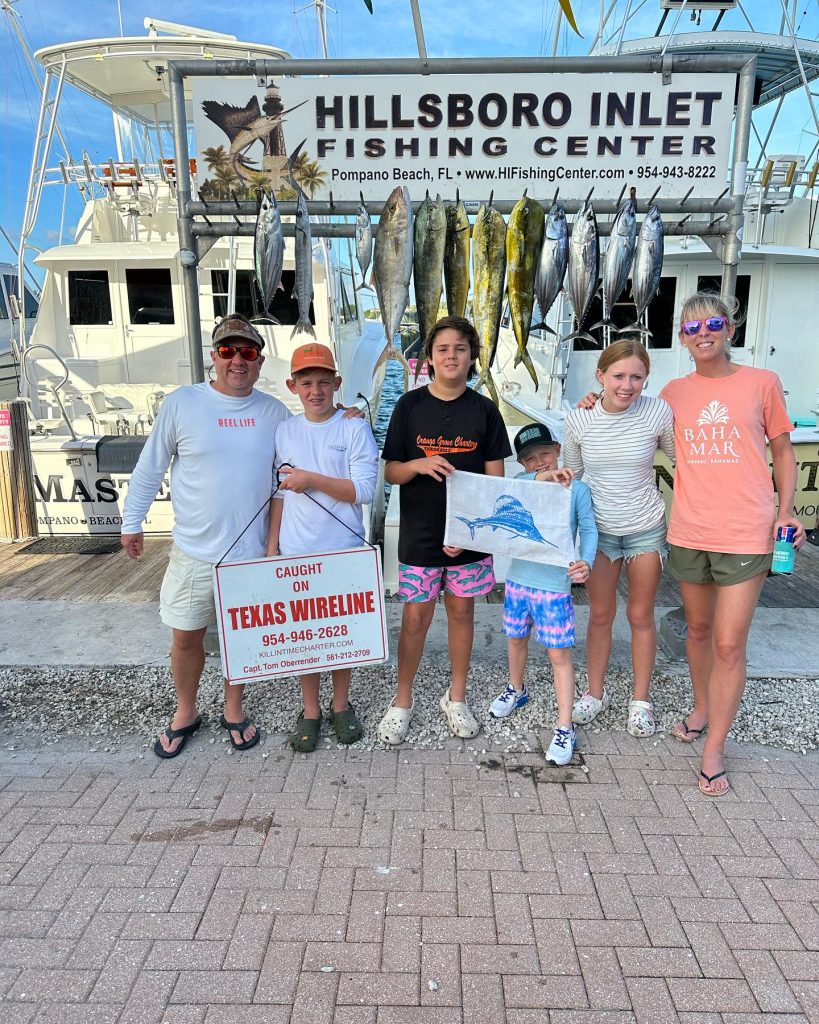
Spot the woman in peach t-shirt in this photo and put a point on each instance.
(723, 516)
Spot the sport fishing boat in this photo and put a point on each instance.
(776, 284)
(109, 342)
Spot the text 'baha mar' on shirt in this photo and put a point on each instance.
(614, 453)
(467, 431)
(338, 447)
(554, 578)
(220, 449)
(723, 493)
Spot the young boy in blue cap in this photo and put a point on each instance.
(540, 595)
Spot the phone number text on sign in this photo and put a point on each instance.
(286, 616)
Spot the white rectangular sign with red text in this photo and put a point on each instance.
(290, 615)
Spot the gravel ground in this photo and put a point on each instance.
(109, 704)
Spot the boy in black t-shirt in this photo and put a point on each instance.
(435, 430)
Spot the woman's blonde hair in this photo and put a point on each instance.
(709, 303)
(624, 349)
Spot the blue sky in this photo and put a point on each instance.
(452, 28)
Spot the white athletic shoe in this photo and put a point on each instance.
(562, 746)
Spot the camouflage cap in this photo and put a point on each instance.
(235, 327)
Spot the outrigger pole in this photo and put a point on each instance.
(720, 232)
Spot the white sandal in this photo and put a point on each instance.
(460, 719)
(393, 727)
(640, 718)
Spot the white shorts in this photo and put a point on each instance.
(186, 596)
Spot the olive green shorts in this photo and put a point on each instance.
(721, 567)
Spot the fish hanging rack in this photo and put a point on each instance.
(716, 224)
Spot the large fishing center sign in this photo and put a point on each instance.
(477, 133)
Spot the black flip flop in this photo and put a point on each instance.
(709, 779)
(240, 728)
(173, 734)
(695, 733)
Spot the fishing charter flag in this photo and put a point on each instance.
(517, 518)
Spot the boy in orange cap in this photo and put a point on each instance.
(323, 453)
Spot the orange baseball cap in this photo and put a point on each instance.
(312, 357)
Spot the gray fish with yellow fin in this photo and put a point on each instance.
(392, 267)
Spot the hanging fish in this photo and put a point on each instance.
(456, 259)
(551, 268)
(584, 266)
(303, 288)
(648, 265)
(392, 264)
(363, 242)
(488, 274)
(524, 239)
(618, 259)
(268, 250)
(428, 261)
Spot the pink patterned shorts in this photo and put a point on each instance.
(418, 584)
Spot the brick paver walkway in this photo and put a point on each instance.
(408, 886)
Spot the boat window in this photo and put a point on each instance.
(743, 291)
(89, 297)
(4, 313)
(285, 306)
(660, 317)
(248, 300)
(150, 298)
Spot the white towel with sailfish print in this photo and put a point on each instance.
(517, 518)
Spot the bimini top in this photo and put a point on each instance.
(777, 69)
(130, 73)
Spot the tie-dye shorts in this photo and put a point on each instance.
(551, 614)
(418, 584)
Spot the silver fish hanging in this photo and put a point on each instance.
(618, 259)
(648, 265)
(303, 289)
(584, 266)
(551, 268)
(363, 242)
(268, 250)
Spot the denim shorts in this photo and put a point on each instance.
(627, 546)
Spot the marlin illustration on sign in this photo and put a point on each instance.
(509, 514)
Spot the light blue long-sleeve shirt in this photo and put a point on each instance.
(540, 575)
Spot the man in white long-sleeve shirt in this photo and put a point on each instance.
(219, 440)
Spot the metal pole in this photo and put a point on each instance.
(419, 30)
(626, 62)
(558, 24)
(731, 245)
(184, 222)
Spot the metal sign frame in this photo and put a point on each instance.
(720, 231)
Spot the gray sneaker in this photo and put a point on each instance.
(562, 746)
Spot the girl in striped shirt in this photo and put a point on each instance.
(612, 447)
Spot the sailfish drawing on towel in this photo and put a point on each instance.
(510, 515)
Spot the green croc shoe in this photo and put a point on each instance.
(306, 734)
(346, 725)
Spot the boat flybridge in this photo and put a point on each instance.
(109, 342)
(112, 310)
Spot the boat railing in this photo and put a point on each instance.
(116, 178)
